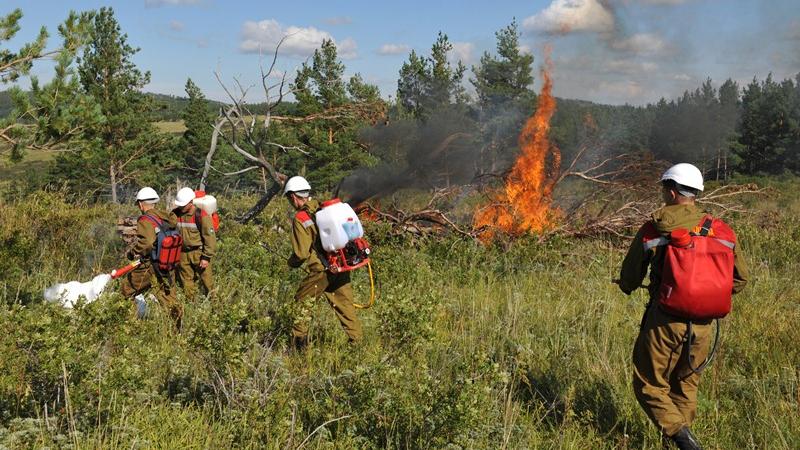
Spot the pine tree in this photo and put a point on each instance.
(58, 108)
(769, 129)
(125, 147)
(320, 87)
(198, 120)
(430, 83)
(15, 64)
(503, 84)
(411, 85)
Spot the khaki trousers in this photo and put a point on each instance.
(189, 273)
(140, 280)
(663, 383)
(339, 293)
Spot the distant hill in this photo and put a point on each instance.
(168, 107)
(5, 103)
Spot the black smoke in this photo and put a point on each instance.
(440, 151)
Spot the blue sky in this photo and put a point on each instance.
(611, 51)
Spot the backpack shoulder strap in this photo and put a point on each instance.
(198, 221)
(705, 226)
(157, 223)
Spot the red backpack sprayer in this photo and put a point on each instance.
(165, 255)
(342, 238)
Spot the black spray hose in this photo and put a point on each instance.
(687, 341)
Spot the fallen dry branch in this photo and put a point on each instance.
(427, 220)
(612, 212)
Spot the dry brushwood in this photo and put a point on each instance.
(126, 228)
(623, 195)
(427, 220)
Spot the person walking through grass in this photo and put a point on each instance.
(307, 249)
(695, 265)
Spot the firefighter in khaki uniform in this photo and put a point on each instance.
(199, 244)
(663, 382)
(140, 279)
(306, 248)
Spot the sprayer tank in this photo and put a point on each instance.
(338, 224)
(207, 203)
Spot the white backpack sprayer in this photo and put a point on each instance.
(342, 238)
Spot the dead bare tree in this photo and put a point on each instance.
(246, 132)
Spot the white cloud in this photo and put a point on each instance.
(157, 3)
(681, 77)
(338, 20)
(347, 48)
(264, 36)
(566, 16)
(176, 25)
(662, 2)
(641, 43)
(462, 51)
(393, 49)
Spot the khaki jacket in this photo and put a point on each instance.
(196, 236)
(146, 233)
(306, 246)
(638, 260)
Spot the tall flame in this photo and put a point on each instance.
(523, 205)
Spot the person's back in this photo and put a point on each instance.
(139, 280)
(669, 346)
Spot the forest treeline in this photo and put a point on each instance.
(434, 130)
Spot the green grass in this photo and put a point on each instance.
(32, 162)
(176, 127)
(519, 346)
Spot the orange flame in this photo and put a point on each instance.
(368, 211)
(524, 203)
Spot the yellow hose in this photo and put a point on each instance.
(371, 290)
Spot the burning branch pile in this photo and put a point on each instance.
(523, 205)
(599, 193)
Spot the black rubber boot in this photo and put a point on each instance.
(299, 344)
(685, 440)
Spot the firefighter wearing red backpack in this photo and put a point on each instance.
(306, 249)
(138, 281)
(695, 265)
(199, 244)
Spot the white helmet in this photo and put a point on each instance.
(147, 194)
(185, 195)
(297, 185)
(685, 174)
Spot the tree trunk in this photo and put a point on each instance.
(330, 135)
(726, 165)
(261, 204)
(113, 175)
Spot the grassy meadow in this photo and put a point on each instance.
(514, 345)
